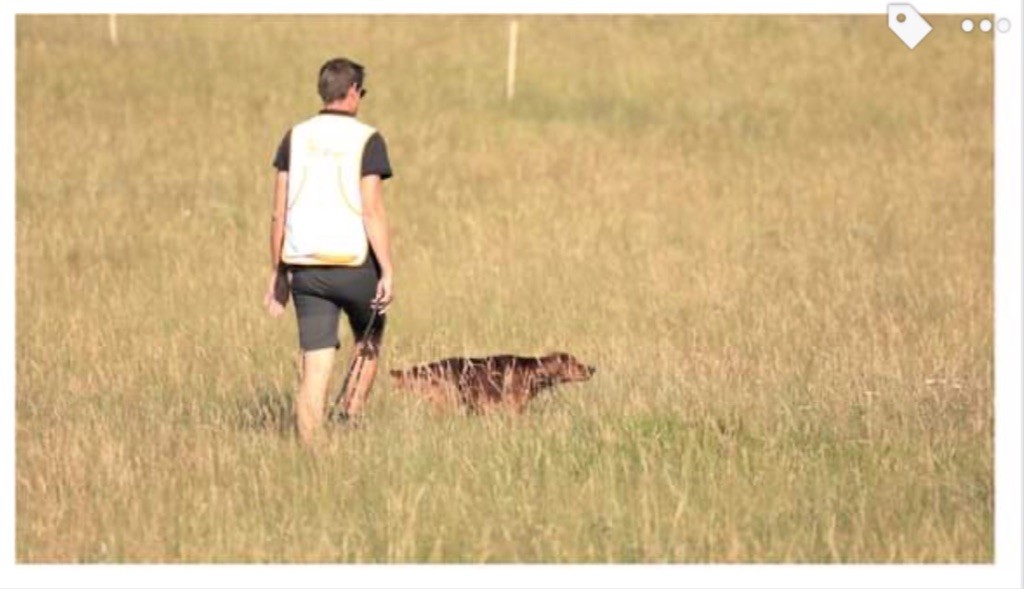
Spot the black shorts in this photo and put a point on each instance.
(322, 292)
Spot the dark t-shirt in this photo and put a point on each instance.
(375, 154)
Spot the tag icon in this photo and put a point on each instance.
(908, 24)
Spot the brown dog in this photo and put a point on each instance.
(479, 384)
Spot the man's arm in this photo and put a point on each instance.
(376, 223)
(277, 219)
(276, 297)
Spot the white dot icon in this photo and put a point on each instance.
(985, 25)
(967, 25)
(1003, 25)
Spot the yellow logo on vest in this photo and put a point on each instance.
(315, 150)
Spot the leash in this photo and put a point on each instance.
(355, 367)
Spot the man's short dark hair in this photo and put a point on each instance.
(337, 76)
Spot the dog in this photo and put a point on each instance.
(478, 385)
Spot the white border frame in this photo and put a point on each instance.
(1009, 531)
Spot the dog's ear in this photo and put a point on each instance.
(565, 367)
(550, 368)
(548, 363)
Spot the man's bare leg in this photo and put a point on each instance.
(312, 395)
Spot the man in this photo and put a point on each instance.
(330, 233)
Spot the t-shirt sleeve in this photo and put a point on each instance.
(375, 158)
(282, 159)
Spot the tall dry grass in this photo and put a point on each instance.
(772, 235)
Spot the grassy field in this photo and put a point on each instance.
(772, 236)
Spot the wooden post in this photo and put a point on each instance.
(112, 28)
(513, 41)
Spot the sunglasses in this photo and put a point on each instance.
(362, 92)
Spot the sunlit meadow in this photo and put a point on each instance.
(772, 236)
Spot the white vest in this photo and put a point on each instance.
(324, 223)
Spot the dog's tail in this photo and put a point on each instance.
(398, 379)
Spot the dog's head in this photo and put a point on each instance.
(563, 367)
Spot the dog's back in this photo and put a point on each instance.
(479, 383)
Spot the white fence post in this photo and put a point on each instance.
(513, 41)
(112, 28)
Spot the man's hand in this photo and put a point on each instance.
(385, 294)
(278, 293)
